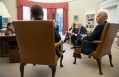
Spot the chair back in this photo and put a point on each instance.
(107, 38)
(36, 41)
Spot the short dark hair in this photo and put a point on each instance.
(36, 10)
(74, 25)
(9, 23)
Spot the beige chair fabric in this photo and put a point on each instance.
(36, 43)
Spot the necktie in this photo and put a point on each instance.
(79, 31)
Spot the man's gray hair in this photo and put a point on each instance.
(104, 13)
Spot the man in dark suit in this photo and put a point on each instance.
(80, 30)
(87, 48)
(56, 28)
(68, 34)
(37, 14)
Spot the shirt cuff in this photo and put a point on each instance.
(75, 34)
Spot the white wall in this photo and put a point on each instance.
(112, 15)
(113, 9)
(79, 8)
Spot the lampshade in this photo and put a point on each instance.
(52, 1)
(3, 10)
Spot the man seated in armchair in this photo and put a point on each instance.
(87, 48)
(80, 30)
(37, 14)
(67, 35)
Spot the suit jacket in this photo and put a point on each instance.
(73, 38)
(95, 35)
(74, 30)
(57, 28)
(57, 35)
(83, 30)
(70, 29)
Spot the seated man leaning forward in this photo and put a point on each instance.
(80, 30)
(87, 48)
(37, 14)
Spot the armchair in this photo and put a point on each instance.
(37, 45)
(104, 45)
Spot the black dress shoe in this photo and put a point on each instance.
(63, 51)
(78, 55)
(72, 47)
(64, 41)
(76, 46)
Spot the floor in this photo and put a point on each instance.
(85, 67)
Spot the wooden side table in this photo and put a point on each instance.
(14, 56)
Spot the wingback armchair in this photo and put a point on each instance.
(37, 45)
(104, 45)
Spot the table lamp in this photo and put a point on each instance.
(3, 13)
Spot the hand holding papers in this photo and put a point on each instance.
(68, 31)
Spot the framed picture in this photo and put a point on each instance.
(4, 20)
(76, 18)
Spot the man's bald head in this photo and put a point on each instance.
(79, 25)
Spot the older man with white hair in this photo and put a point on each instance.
(87, 48)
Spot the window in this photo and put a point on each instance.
(26, 13)
(45, 13)
(59, 18)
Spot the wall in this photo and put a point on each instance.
(79, 8)
(112, 7)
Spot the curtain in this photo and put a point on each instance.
(54, 13)
(49, 13)
(51, 9)
(20, 12)
(65, 21)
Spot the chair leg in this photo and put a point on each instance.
(89, 56)
(74, 58)
(110, 59)
(1, 53)
(61, 65)
(53, 68)
(99, 65)
(22, 69)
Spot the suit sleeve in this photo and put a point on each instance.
(96, 34)
(74, 30)
(57, 37)
(57, 28)
(77, 30)
(84, 30)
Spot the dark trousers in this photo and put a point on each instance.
(57, 49)
(12, 44)
(79, 40)
(73, 40)
(67, 36)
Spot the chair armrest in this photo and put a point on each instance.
(94, 42)
(117, 36)
(58, 44)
